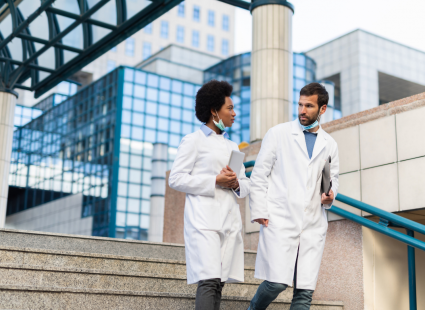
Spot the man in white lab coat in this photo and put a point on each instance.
(286, 200)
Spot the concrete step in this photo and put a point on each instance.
(21, 297)
(96, 263)
(98, 245)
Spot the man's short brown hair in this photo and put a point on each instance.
(316, 89)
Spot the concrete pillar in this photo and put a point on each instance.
(7, 114)
(159, 168)
(271, 61)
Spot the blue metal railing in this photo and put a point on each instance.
(386, 221)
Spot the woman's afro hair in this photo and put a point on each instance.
(211, 95)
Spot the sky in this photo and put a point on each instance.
(318, 21)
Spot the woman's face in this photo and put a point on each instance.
(226, 113)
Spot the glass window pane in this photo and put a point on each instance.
(125, 131)
(140, 77)
(139, 105)
(133, 205)
(176, 86)
(152, 94)
(150, 135)
(176, 100)
(139, 91)
(153, 80)
(136, 161)
(137, 133)
(138, 119)
(151, 107)
(126, 103)
(175, 127)
(164, 110)
(150, 121)
(175, 113)
(164, 97)
(163, 124)
(188, 102)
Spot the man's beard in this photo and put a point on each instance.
(309, 121)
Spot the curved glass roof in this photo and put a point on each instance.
(47, 41)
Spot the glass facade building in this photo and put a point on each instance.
(99, 143)
(237, 71)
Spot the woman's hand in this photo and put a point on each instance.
(227, 178)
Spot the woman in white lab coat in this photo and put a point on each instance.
(212, 220)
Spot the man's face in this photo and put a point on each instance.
(308, 109)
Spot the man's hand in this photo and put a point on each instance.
(226, 178)
(328, 199)
(264, 222)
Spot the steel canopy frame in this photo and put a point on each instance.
(14, 72)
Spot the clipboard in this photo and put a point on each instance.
(236, 161)
(326, 177)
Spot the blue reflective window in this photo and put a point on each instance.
(140, 77)
(129, 47)
(245, 120)
(152, 94)
(135, 161)
(153, 80)
(299, 72)
(151, 107)
(299, 84)
(210, 43)
(128, 75)
(137, 119)
(246, 94)
(225, 47)
(175, 113)
(162, 137)
(151, 122)
(138, 105)
(188, 102)
(211, 18)
(196, 13)
(164, 97)
(148, 29)
(174, 140)
(164, 29)
(147, 50)
(180, 10)
(139, 91)
(128, 89)
(164, 110)
(163, 124)
(180, 34)
(186, 129)
(195, 38)
(176, 86)
(126, 117)
(188, 89)
(164, 83)
(299, 59)
(176, 100)
(125, 131)
(150, 135)
(114, 49)
(187, 116)
(137, 133)
(146, 192)
(175, 127)
(225, 22)
(110, 66)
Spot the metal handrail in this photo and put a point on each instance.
(390, 217)
(386, 220)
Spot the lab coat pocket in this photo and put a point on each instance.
(207, 217)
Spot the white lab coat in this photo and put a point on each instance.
(212, 219)
(285, 188)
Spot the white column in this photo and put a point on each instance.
(7, 113)
(159, 168)
(271, 61)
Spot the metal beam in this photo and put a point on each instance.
(78, 17)
(128, 28)
(26, 23)
(45, 42)
(238, 3)
(16, 73)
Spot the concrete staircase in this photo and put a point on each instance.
(54, 271)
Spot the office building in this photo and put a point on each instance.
(369, 70)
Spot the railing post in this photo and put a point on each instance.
(412, 273)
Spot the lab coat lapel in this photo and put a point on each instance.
(299, 136)
(320, 143)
